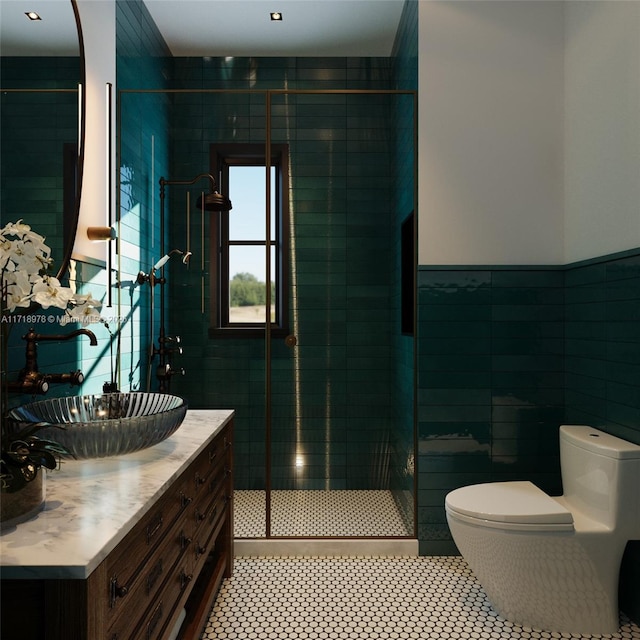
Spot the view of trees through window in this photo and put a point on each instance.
(248, 297)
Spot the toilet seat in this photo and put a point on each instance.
(508, 505)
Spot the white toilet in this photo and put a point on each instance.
(553, 563)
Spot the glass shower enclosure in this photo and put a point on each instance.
(324, 400)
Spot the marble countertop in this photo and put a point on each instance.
(92, 504)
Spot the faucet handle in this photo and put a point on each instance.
(74, 378)
(165, 371)
(174, 339)
(31, 382)
(177, 350)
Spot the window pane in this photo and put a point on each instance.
(247, 289)
(246, 190)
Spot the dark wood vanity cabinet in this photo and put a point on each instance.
(172, 561)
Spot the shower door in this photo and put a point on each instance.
(340, 412)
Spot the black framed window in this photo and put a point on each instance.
(240, 243)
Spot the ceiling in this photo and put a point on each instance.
(55, 35)
(308, 27)
(223, 27)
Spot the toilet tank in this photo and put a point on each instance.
(601, 476)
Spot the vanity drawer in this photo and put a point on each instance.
(210, 519)
(148, 534)
(159, 618)
(139, 566)
(127, 600)
(209, 462)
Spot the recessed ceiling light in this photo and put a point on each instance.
(276, 15)
(32, 15)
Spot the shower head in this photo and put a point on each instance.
(214, 201)
(211, 201)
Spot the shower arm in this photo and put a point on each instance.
(212, 182)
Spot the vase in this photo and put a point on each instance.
(20, 506)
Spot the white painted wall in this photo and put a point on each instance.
(602, 128)
(98, 21)
(490, 132)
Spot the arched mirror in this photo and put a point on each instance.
(42, 73)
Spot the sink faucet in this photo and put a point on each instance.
(30, 380)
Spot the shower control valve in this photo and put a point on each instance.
(165, 371)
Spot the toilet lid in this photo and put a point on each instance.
(516, 502)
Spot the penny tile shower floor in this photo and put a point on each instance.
(319, 513)
(367, 598)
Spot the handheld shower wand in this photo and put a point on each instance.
(185, 258)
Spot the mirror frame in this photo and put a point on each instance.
(73, 227)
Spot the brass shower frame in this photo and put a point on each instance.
(268, 93)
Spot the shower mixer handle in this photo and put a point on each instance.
(165, 371)
(177, 350)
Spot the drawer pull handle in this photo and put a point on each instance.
(200, 517)
(212, 455)
(216, 482)
(153, 622)
(200, 550)
(185, 541)
(153, 576)
(185, 500)
(153, 527)
(185, 579)
(116, 591)
(200, 481)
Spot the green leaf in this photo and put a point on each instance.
(43, 459)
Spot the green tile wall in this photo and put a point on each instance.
(603, 345)
(231, 373)
(506, 355)
(490, 384)
(35, 127)
(340, 194)
(143, 142)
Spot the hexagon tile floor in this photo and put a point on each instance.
(370, 598)
(319, 513)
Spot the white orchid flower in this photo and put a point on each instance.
(50, 293)
(18, 290)
(86, 309)
(15, 229)
(83, 313)
(87, 299)
(26, 257)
